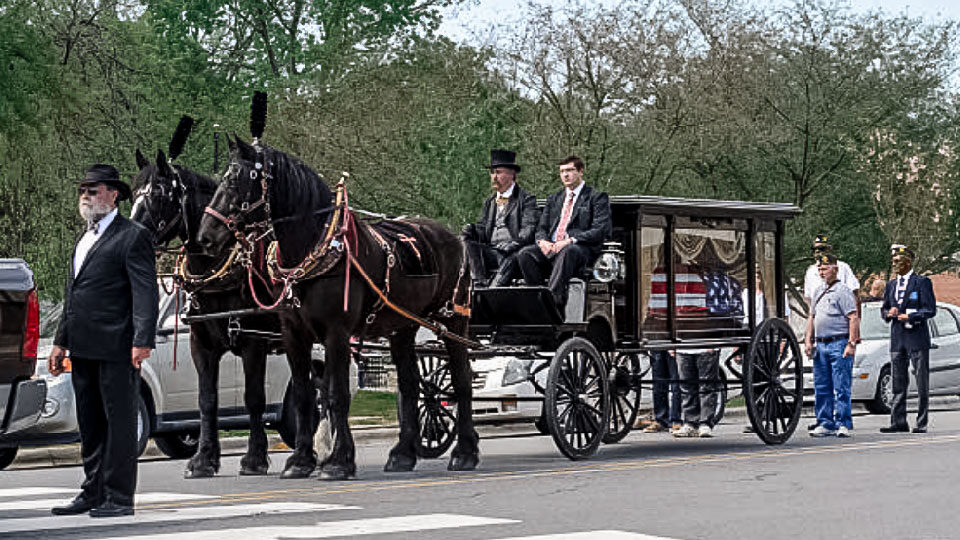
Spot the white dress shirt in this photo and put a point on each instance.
(566, 196)
(90, 238)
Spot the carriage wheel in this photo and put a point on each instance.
(577, 398)
(624, 395)
(436, 406)
(773, 382)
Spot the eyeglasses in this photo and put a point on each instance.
(89, 190)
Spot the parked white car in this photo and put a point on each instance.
(872, 383)
(168, 399)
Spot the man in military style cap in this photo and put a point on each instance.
(833, 330)
(108, 326)
(507, 223)
(907, 304)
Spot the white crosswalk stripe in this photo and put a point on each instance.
(33, 491)
(188, 515)
(333, 529)
(142, 498)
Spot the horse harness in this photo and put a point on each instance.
(340, 239)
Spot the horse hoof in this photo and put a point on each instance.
(399, 463)
(336, 473)
(296, 471)
(199, 472)
(466, 462)
(258, 470)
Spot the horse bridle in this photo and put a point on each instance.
(178, 192)
(231, 222)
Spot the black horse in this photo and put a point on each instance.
(170, 201)
(300, 207)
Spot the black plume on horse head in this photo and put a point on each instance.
(258, 114)
(180, 136)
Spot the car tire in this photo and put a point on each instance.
(143, 426)
(179, 445)
(721, 407)
(541, 424)
(7, 455)
(880, 403)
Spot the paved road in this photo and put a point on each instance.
(649, 486)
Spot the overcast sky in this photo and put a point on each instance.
(461, 23)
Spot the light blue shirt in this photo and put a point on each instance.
(90, 238)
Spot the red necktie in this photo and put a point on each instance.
(565, 218)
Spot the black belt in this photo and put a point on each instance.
(831, 338)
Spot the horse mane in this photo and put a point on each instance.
(196, 180)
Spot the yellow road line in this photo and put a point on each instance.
(465, 478)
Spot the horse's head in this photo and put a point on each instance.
(239, 202)
(157, 203)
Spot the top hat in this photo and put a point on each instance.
(826, 259)
(900, 249)
(503, 158)
(107, 175)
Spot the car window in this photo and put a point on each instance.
(872, 325)
(167, 318)
(946, 323)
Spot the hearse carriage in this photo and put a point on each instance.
(677, 274)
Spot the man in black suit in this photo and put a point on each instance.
(108, 326)
(570, 234)
(507, 223)
(908, 302)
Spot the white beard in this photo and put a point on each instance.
(94, 212)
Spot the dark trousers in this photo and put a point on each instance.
(108, 397)
(666, 388)
(698, 371)
(561, 267)
(485, 260)
(899, 361)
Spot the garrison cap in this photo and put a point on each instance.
(821, 243)
(900, 249)
(826, 259)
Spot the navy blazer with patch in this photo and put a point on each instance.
(918, 296)
(590, 222)
(522, 216)
(112, 304)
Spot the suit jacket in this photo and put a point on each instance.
(589, 223)
(522, 216)
(918, 296)
(112, 304)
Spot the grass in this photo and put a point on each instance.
(374, 407)
(736, 402)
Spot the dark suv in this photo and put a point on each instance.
(21, 396)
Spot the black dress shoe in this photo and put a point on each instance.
(895, 429)
(812, 426)
(79, 505)
(919, 430)
(111, 509)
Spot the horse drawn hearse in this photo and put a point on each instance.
(280, 261)
(677, 274)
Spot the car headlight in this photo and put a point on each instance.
(517, 371)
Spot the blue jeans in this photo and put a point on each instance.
(832, 375)
(666, 407)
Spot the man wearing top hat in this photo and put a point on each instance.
(507, 223)
(908, 302)
(108, 327)
(570, 234)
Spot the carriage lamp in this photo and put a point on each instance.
(610, 264)
(516, 372)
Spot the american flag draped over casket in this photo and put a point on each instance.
(714, 293)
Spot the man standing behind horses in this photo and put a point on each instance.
(109, 324)
(570, 234)
(507, 223)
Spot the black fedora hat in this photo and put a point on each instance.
(503, 158)
(108, 175)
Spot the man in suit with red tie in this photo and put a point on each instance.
(570, 235)
(908, 302)
(109, 325)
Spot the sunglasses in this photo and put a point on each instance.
(89, 190)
